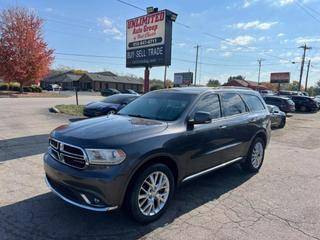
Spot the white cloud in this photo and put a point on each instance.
(227, 54)
(198, 14)
(110, 29)
(262, 38)
(315, 59)
(254, 25)
(301, 40)
(248, 3)
(48, 9)
(285, 2)
(242, 40)
(280, 34)
(210, 50)
(181, 45)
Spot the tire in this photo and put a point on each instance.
(303, 109)
(250, 165)
(138, 207)
(283, 123)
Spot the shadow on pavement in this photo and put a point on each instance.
(48, 217)
(23, 146)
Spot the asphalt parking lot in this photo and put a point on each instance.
(282, 201)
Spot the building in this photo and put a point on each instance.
(99, 81)
(245, 83)
(92, 81)
(65, 79)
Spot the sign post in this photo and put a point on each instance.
(146, 79)
(149, 40)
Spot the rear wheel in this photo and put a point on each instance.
(255, 156)
(303, 109)
(151, 193)
(283, 123)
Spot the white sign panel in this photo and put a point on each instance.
(147, 30)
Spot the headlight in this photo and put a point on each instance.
(105, 156)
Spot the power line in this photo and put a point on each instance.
(88, 55)
(206, 33)
(306, 11)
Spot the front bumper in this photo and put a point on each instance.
(93, 189)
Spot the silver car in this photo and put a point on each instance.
(278, 118)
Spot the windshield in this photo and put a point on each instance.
(118, 99)
(165, 106)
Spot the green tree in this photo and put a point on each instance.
(240, 77)
(213, 83)
(294, 86)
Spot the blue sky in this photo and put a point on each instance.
(268, 29)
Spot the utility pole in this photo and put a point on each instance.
(165, 77)
(196, 67)
(259, 61)
(306, 86)
(305, 48)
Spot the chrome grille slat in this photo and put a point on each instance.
(58, 152)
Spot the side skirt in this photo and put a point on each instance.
(211, 169)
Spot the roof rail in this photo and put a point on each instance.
(234, 87)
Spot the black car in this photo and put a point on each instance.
(305, 104)
(284, 103)
(109, 92)
(130, 91)
(138, 157)
(109, 105)
(278, 118)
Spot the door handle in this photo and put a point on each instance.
(222, 126)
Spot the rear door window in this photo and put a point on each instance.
(211, 104)
(253, 102)
(232, 104)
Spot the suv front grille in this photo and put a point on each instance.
(67, 154)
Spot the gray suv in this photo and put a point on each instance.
(138, 157)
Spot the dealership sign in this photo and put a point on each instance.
(280, 77)
(184, 78)
(149, 40)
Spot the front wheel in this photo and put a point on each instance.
(254, 159)
(151, 193)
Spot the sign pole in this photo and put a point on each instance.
(165, 77)
(146, 79)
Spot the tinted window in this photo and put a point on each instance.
(166, 106)
(232, 104)
(210, 104)
(253, 102)
(119, 98)
(273, 100)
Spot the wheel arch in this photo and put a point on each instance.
(151, 160)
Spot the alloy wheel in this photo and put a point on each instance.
(257, 155)
(153, 193)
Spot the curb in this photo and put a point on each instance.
(54, 110)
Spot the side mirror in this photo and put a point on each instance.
(201, 118)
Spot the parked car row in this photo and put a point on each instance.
(112, 91)
(291, 103)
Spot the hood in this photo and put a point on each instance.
(101, 105)
(108, 131)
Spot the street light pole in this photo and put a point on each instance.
(305, 48)
(259, 61)
(196, 67)
(308, 68)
